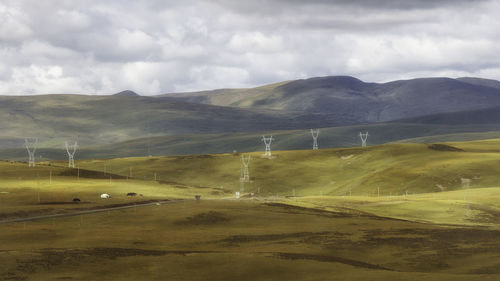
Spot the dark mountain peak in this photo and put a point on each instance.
(127, 93)
(336, 79)
(333, 80)
(327, 82)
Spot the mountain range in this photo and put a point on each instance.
(125, 123)
(362, 102)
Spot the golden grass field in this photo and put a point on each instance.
(389, 212)
(391, 169)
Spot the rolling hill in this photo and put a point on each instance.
(390, 169)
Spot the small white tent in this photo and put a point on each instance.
(105, 196)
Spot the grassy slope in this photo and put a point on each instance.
(394, 168)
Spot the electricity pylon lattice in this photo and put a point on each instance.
(267, 141)
(315, 135)
(245, 162)
(363, 137)
(31, 147)
(71, 150)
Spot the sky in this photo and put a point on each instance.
(162, 46)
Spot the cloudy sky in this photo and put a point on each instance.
(158, 46)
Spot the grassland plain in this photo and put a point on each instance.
(244, 240)
(351, 219)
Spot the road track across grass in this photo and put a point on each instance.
(86, 212)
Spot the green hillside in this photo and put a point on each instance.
(391, 169)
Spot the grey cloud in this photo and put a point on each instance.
(159, 46)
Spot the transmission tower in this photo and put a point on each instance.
(267, 141)
(315, 135)
(31, 147)
(363, 137)
(71, 150)
(245, 161)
